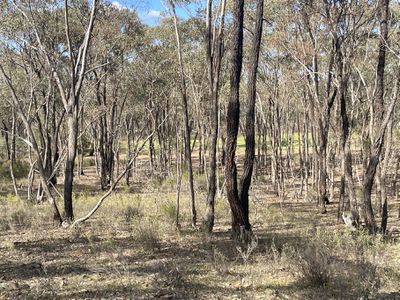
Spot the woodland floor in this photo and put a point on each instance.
(131, 250)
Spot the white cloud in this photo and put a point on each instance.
(154, 13)
(118, 5)
(151, 16)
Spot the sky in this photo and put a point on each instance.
(151, 11)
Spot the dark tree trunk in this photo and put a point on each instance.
(343, 77)
(250, 114)
(379, 134)
(214, 57)
(232, 119)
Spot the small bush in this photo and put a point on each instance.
(12, 198)
(246, 250)
(147, 236)
(21, 169)
(220, 262)
(369, 280)
(314, 265)
(168, 210)
(313, 260)
(20, 218)
(131, 212)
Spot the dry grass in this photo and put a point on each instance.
(132, 250)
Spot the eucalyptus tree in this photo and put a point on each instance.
(184, 95)
(232, 118)
(32, 94)
(214, 52)
(69, 76)
(345, 30)
(380, 118)
(18, 102)
(250, 113)
(115, 45)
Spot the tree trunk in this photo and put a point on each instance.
(214, 58)
(12, 151)
(72, 123)
(379, 134)
(232, 120)
(188, 152)
(250, 114)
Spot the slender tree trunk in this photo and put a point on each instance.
(188, 152)
(250, 114)
(35, 147)
(12, 151)
(378, 136)
(72, 123)
(343, 77)
(383, 175)
(214, 57)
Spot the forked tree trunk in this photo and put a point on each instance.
(379, 134)
(214, 58)
(250, 114)
(347, 176)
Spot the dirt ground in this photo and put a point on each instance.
(132, 250)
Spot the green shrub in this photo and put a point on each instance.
(131, 212)
(168, 210)
(314, 265)
(21, 169)
(146, 236)
(20, 218)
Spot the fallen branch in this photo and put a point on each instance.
(120, 176)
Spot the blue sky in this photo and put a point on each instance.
(151, 11)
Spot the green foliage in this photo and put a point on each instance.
(20, 218)
(21, 169)
(314, 264)
(16, 213)
(168, 210)
(131, 212)
(328, 257)
(89, 162)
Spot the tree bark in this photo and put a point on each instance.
(214, 58)
(183, 90)
(232, 120)
(378, 136)
(250, 114)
